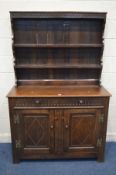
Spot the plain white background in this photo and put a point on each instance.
(7, 78)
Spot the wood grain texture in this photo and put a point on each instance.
(58, 91)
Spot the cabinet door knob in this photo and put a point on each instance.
(66, 126)
(51, 126)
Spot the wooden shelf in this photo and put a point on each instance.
(58, 45)
(44, 66)
(57, 15)
(79, 82)
(57, 80)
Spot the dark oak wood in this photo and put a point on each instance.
(57, 45)
(84, 82)
(81, 129)
(58, 109)
(81, 15)
(43, 66)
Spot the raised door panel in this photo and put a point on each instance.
(35, 130)
(81, 129)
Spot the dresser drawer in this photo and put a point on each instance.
(58, 102)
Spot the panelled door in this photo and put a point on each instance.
(34, 131)
(58, 132)
(81, 130)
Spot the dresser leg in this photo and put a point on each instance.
(16, 160)
(101, 153)
(100, 158)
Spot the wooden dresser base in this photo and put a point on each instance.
(58, 122)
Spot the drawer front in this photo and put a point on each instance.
(58, 102)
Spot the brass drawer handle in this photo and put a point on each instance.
(81, 101)
(37, 101)
(66, 126)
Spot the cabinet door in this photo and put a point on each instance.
(35, 131)
(81, 129)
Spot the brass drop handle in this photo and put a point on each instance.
(66, 126)
(51, 126)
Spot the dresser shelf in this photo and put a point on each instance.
(58, 45)
(44, 66)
